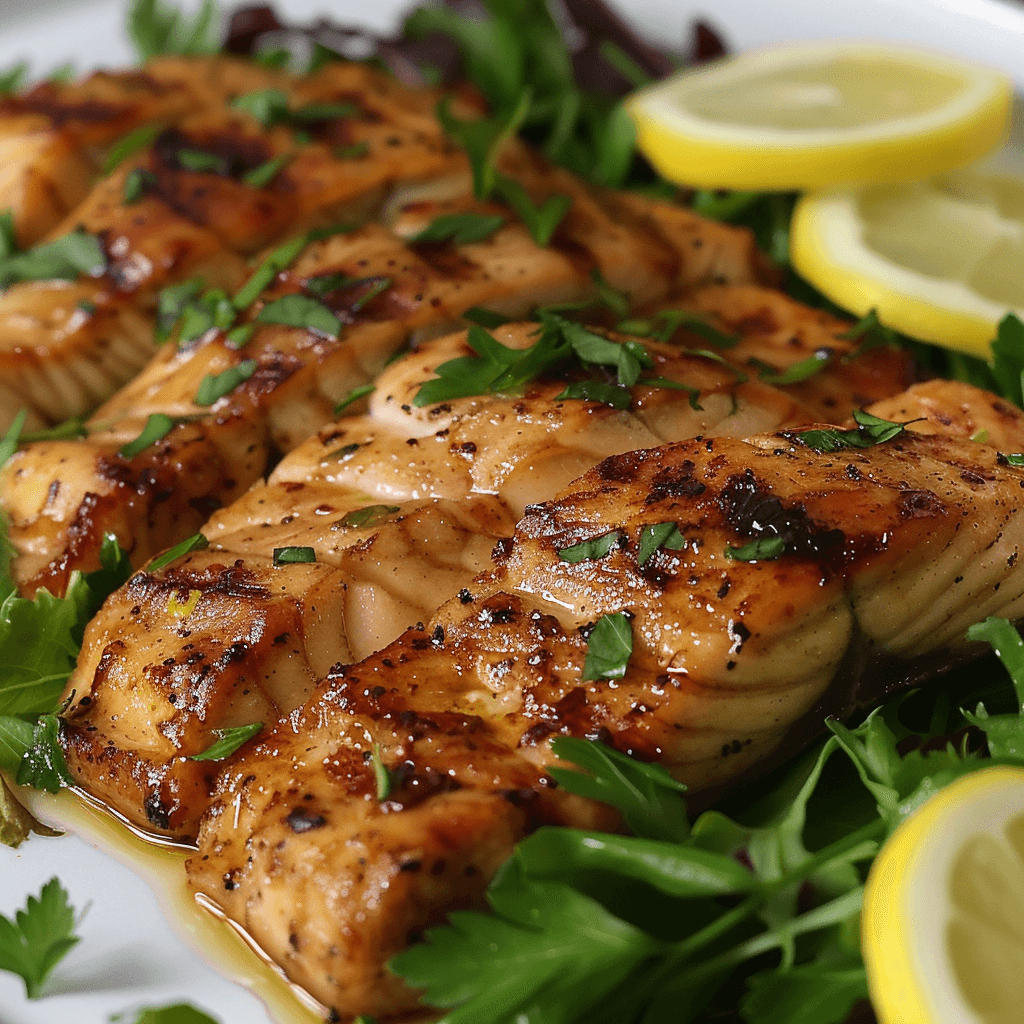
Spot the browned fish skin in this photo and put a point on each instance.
(892, 552)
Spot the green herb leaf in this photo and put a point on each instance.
(172, 302)
(42, 765)
(381, 774)
(485, 318)
(200, 161)
(214, 387)
(1008, 358)
(660, 535)
(674, 385)
(239, 337)
(615, 395)
(871, 332)
(596, 548)
(8, 235)
(209, 311)
(759, 550)
(871, 430)
(1013, 459)
(13, 78)
(372, 515)
(155, 27)
(280, 259)
(666, 323)
(262, 176)
(16, 824)
(130, 144)
(353, 396)
(648, 797)
(179, 1013)
(12, 437)
(460, 228)
(15, 741)
(301, 311)
(609, 647)
(268, 106)
(138, 182)
(157, 426)
(228, 741)
(63, 259)
(817, 994)
(292, 555)
(39, 937)
(197, 542)
(799, 371)
(541, 221)
(353, 152)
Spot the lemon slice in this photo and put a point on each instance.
(940, 260)
(943, 921)
(820, 114)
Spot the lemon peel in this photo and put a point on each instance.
(818, 114)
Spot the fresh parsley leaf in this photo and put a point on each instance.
(130, 144)
(197, 542)
(209, 311)
(178, 1013)
(353, 152)
(268, 106)
(648, 797)
(63, 259)
(8, 235)
(663, 325)
(1011, 459)
(344, 453)
(214, 387)
(541, 221)
(615, 395)
(200, 161)
(13, 78)
(816, 994)
(172, 302)
(596, 548)
(280, 259)
(239, 337)
(381, 773)
(12, 437)
(158, 426)
(372, 515)
(1008, 358)
(460, 228)
(138, 182)
(609, 647)
(15, 741)
(228, 741)
(262, 176)
(758, 550)
(301, 311)
(870, 430)
(156, 27)
(870, 332)
(42, 765)
(659, 535)
(353, 396)
(39, 937)
(485, 318)
(16, 824)
(293, 555)
(799, 371)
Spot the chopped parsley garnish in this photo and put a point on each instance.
(294, 555)
(197, 542)
(201, 313)
(239, 337)
(262, 176)
(39, 937)
(1007, 366)
(158, 426)
(13, 78)
(130, 144)
(42, 764)
(485, 318)
(598, 547)
(372, 515)
(228, 741)
(758, 550)
(1011, 458)
(300, 311)
(68, 430)
(353, 396)
(173, 300)
(541, 221)
(155, 27)
(870, 332)
(381, 774)
(799, 371)
(137, 183)
(177, 1013)
(268, 106)
(353, 152)
(63, 259)
(663, 325)
(615, 395)
(280, 259)
(12, 437)
(609, 647)
(214, 387)
(870, 430)
(660, 535)
(460, 228)
(201, 161)
(8, 235)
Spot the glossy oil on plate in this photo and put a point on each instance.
(143, 941)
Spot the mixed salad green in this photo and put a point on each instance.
(751, 911)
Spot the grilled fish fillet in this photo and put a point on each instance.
(891, 553)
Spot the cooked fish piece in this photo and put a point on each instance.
(331, 880)
(388, 294)
(406, 503)
(54, 136)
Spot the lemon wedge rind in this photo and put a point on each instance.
(828, 249)
(906, 906)
(692, 146)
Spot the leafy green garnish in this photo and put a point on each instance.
(758, 550)
(1011, 459)
(799, 371)
(172, 302)
(8, 235)
(609, 647)
(12, 437)
(137, 183)
(615, 395)
(228, 741)
(352, 397)
(301, 311)
(197, 542)
(214, 386)
(372, 515)
(648, 797)
(178, 1013)
(156, 27)
(1008, 358)
(381, 774)
(485, 318)
(280, 259)
(262, 176)
(596, 548)
(42, 764)
(39, 937)
(200, 161)
(870, 332)
(13, 78)
(541, 221)
(130, 144)
(353, 152)
(663, 325)
(268, 106)
(294, 555)
(659, 535)
(870, 430)
(460, 228)
(158, 426)
(63, 259)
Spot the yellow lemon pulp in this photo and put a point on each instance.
(820, 114)
(943, 921)
(940, 259)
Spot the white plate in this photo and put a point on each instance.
(129, 955)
